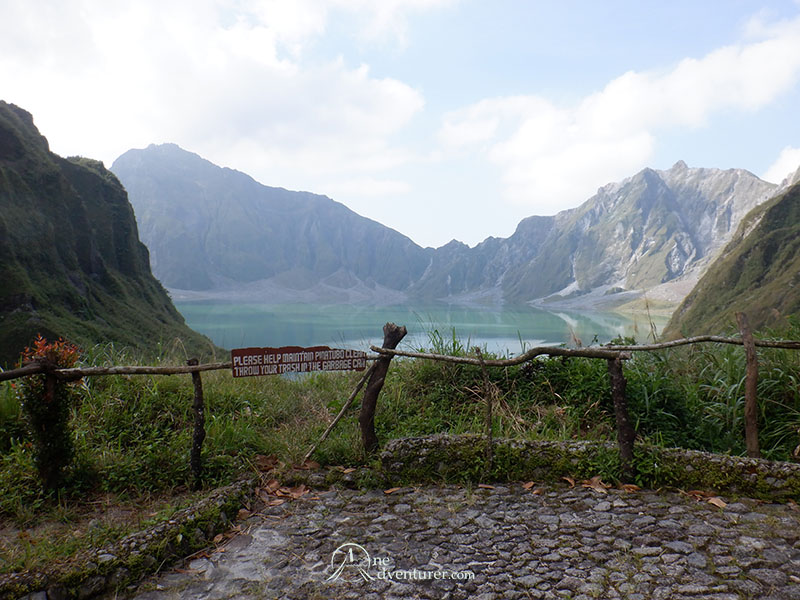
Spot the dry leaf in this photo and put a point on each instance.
(699, 494)
(485, 486)
(391, 490)
(308, 465)
(537, 491)
(266, 463)
(719, 502)
(276, 502)
(243, 514)
(528, 485)
(218, 538)
(348, 470)
(272, 486)
(793, 505)
(569, 480)
(297, 492)
(596, 484)
(630, 487)
(794, 578)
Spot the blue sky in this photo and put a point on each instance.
(440, 118)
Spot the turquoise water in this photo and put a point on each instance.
(501, 330)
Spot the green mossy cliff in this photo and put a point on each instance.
(758, 273)
(71, 263)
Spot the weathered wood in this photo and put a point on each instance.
(341, 412)
(785, 344)
(78, 372)
(489, 397)
(29, 369)
(625, 432)
(199, 434)
(591, 352)
(750, 388)
(392, 334)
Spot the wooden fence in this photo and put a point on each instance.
(375, 377)
(193, 367)
(614, 355)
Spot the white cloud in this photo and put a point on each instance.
(227, 80)
(553, 157)
(382, 19)
(787, 163)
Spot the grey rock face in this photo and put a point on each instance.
(210, 228)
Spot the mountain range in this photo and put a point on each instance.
(758, 273)
(71, 262)
(214, 231)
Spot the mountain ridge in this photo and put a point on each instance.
(233, 230)
(71, 261)
(651, 230)
(758, 273)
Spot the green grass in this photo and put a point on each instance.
(133, 433)
(71, 529)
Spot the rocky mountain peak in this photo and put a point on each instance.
(679, 166)
(652, 228)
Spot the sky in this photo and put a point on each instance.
(443, 119)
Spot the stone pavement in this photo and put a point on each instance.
(506, 542)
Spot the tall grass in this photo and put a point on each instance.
(133, 433)
(689, 397)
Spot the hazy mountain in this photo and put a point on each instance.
(212, 229)
(758, 273)
(71, 263)
(650, 229)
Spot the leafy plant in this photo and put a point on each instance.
(46, 402)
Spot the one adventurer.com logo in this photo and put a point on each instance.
(351, 562)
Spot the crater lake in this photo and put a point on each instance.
(502, 330)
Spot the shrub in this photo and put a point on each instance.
(46, 402)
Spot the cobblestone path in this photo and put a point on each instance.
(505, 542)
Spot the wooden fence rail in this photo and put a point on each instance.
(80, 372)
(614, 354)
(192, 367)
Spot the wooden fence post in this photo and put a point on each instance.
(392, 334)
(341, 413)
(750, 388)
(198, 407)
(625, 432)
(489, 397)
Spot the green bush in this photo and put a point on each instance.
(46, 402)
